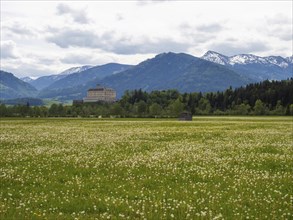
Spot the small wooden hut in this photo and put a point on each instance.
(185, 116)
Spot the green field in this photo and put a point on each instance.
(210, 168)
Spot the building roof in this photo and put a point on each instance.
(100, 88)
(97, 89)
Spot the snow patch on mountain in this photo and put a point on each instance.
(28, 79)
(75, 70)
(70, 71)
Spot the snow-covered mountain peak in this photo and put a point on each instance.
(277, 60)
(212, 53)
(245, 59)
(75, 70)
(27, 79)
(215, 57)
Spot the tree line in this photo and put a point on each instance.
(264, 98)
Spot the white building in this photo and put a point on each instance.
(100, 93)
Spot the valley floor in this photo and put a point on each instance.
(210, 168)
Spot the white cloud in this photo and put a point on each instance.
(79, 16)
(279, 26)
(86, 57)
(210, 28)
(65, 38)
(77, 59)
(18, 28)
(232, 48)
(8, 50)
(278, 19)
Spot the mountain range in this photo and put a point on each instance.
(186, 73)
(45, 81)
(181, 71)
(254, 67)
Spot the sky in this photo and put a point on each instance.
(46, 37)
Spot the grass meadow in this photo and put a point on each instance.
(210, 168)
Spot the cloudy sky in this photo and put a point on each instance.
(46, 37)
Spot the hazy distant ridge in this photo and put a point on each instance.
(12, 87)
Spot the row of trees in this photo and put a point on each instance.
(140, 109)
(266, 98)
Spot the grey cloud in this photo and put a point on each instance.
(282, 32)
(210, 28)
(77, 58)
(285, 36)
(8, 50)
(231, 39)
(19, 29)
(200, 38)
(199, 35)
(158, 46)
(280, 26)
(75, 38)
(231, 49)
(205, 28)
(111, 42)
(28, 70)
(78, 16)
(46, 61)
(119, 17)
(63, 9)
(186, 28)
